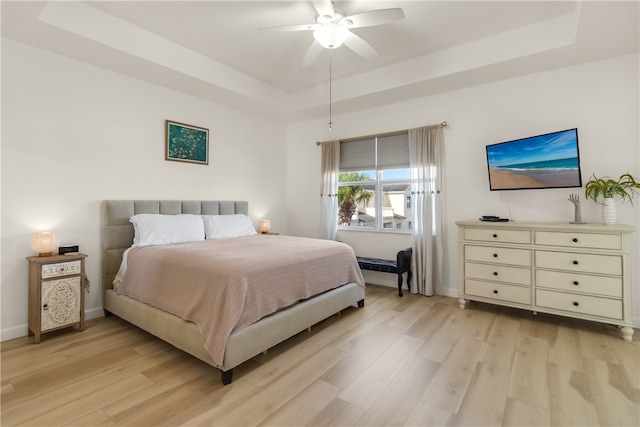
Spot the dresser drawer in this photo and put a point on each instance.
(499, 273)
(581, 304)
(496, 235)
(575, 282)
(61, 269)
(578, 240)
(587, 263)
(496, 255)
(498, 291)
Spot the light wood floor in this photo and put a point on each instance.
(413, 361)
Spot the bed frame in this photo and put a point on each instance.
(243, 344)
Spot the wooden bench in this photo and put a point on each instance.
(401, 265)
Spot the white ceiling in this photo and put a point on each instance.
(212, 49)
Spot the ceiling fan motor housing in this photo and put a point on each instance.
(337, 16)
(333, 27)
(332, 30)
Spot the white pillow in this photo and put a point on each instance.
(156, 229)
(216, 226)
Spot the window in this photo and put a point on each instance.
(374, 183)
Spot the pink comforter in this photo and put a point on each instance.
(226, 284)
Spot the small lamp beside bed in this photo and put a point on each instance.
(265, 226)
(44, 242)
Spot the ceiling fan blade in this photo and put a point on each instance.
(312, 53)
(359, 46)
(374, 17)
(324, 7)
(286, 28)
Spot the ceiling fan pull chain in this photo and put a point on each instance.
(330, 62)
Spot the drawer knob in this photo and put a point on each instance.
(495, 255)
(576, 303)
(575, 282)
(495, 273)
(45, 307)
(495, 236)
(575, 262)
(495, 291)
(575, 240)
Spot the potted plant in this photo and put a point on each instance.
(606, 188)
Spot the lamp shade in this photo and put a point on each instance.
(331, 35)
(44, 242)
(265, 226)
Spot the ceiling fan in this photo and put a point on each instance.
(332, 29)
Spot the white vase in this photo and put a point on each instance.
(609, 211)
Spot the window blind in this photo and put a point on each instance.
(358, 155)
(393, 151)
(383, 152)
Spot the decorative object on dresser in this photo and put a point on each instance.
(56, 299)
(575, 199)
(580, 270)
(607, 188)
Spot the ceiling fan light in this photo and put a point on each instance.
(331, 35)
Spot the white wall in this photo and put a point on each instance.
(600, 99)
(74, 134)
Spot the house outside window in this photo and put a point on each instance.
(374, 184)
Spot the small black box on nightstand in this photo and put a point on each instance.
(67, 249)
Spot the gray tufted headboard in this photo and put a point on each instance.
(118, 231)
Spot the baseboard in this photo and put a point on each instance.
(14, 332)
(391, 281)
(93, 313)
(23, 330)
(382, 279)
(450, 292)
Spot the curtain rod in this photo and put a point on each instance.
(442, 124)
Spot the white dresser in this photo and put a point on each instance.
(574, 270)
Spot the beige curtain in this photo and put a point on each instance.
(330, 168)
(425, 161)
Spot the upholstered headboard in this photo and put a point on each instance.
(118, 231)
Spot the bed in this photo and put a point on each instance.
(242, 344)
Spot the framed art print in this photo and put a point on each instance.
(186, 143)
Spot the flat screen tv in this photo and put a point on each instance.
(551, 160)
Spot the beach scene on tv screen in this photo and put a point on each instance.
(544, 161)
